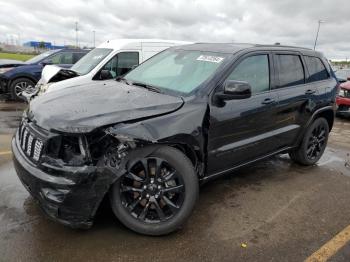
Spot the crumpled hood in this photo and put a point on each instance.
(81, 109)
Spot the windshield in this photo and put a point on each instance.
(40, 57)
(90, 60)
(177, 70)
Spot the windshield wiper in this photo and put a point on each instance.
(148, 87)
(120, 78)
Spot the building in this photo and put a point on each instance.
(42, 44)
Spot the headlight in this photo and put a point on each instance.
(4, 70)
(341, 93)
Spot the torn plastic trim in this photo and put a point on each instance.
(127, 138)
(52, 73)
(136, 143)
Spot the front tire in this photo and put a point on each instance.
(19, 85)
(157, 194)
(313, 145)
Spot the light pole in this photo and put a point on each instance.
(93, 32)
(318, 30)
(76, 34)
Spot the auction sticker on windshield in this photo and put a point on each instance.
(210, 58)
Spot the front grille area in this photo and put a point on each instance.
(31, 145)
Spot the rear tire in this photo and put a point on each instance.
(313, 144)
(157, 201)
(20, 85)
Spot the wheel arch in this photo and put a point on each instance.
(193, 155)
(329, 116)
(328, 113)
(31, 78)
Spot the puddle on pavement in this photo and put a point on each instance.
(10, 116)
(336, 160)
(12, 106)
(16, 205)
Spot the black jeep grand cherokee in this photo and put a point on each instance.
(186, 115)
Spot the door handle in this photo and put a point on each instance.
(310, 92)
(268, 101)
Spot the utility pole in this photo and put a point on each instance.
(76, 34)
(93, 32)
(318, 30)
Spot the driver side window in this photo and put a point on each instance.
(122, 63)
(255, 71)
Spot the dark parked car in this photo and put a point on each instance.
(185, 116)
(16, 77)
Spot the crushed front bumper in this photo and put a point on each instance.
(69, 195)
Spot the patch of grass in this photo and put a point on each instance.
(21, 57)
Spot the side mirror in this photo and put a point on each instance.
(47, 62)
(348, 78)
(105, 74)
(235, 90)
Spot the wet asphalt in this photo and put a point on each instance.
(281, 211)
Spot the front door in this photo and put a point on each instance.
(242, 130)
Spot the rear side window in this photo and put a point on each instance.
(317, 70)
(255, 71)
(290, 70)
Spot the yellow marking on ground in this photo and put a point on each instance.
(5, 153)
(331, 247)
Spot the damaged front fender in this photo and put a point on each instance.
(180, 129)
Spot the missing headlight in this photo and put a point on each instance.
(73, 150)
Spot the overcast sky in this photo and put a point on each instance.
(290, 22)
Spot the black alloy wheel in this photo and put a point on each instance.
(313, 144)
(157, 193)
(316, 142)
(152, 191)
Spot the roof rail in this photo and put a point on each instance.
(279, 45)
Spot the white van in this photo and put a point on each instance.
(109, 60)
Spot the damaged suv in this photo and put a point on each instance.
(189, 114)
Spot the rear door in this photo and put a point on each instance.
(319, 81)
(293, 95)
(243, 129)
